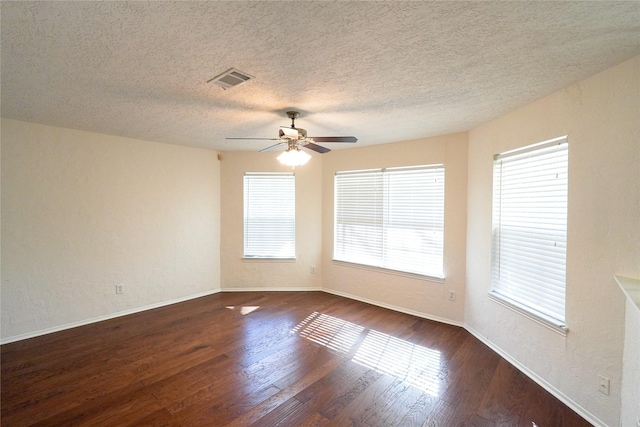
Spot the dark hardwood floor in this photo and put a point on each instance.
(267, 359)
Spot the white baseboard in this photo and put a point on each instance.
(395, 308)
(539, 380)
(272, 289)
(105, 317)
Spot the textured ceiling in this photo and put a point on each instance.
(382, 71)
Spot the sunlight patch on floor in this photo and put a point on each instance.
(245, 309)
(418, 366)
(334, 333)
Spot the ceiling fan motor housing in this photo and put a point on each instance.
(296, 133)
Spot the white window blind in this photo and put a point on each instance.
(269, 215)
(391, 218)
(530, 228)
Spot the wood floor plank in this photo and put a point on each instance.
(268, 359)
(289, 386)
(365, 406)
(512, 403)
(159, 418)
(279, 415)
(338, 403)
(301, 368)
(217, 409)
(45, 403)
(315, 420)
(337, 380)
(46, 375)
(397, 402)
(128, 407)
(420, 412)
(194, 379)
(339, 384)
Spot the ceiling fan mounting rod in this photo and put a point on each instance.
(293, 115)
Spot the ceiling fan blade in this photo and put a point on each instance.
(315, 147)
(271, 147)
(334, 138)
(260, 139)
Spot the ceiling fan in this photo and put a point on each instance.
(294, 138)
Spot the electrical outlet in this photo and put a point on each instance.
(604, 385)
(312, 269)
(452, 295)
(120, 288)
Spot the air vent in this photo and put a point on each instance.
(230, 78)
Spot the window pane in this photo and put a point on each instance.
(530, 228)
(391, 218)
(358, 225)
(269, 215)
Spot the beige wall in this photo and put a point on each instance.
(424, 297)
(256, 274)
(601, 117)
(82, 212)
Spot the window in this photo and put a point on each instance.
(391, 218)
(530, 229)
(269, 215)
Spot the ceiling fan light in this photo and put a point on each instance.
(294, 157)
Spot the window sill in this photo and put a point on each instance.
(389, 271)
(547, 322)
(259, 259)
